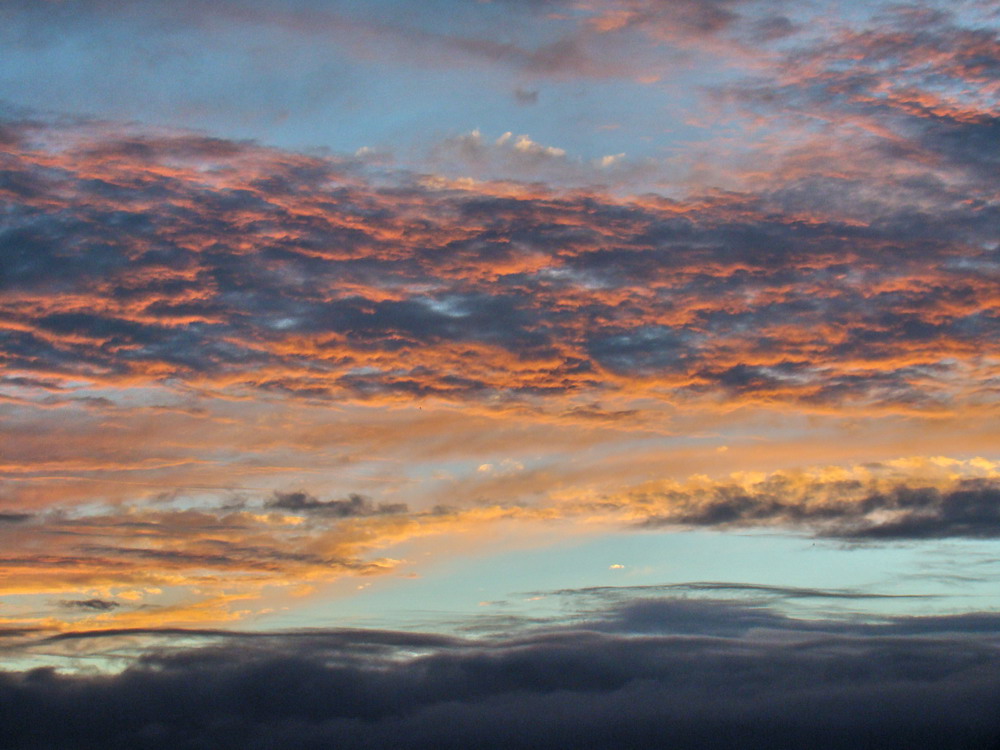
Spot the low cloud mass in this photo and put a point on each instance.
(634, 677)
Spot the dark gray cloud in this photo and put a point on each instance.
(330, 643)
(353, 506)
(95, 605)
(969, 508)
(660, 673)
(525, 97)
(972, 510)
(617, 593)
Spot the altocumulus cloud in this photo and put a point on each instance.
(139, 258)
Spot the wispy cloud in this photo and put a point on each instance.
(151, 564)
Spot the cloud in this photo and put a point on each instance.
(185, 566)
(353, 506)
(150, 259)
(507, 156)
(623, 678)
(908, 86)
(469, 157)
(672, 20)
(322, 35)
(618, 594)
(525, 97)
(970, 509)
(95, 605)
(872, 502)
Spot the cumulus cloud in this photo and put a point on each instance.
(505, 156)
(474, 156)
(671, 20)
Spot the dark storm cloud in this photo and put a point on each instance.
(648, 676)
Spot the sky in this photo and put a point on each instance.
(499, 373)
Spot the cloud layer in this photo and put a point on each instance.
(693, 674)
(226, 266)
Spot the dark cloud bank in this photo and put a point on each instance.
(659, 673)
(844, 510)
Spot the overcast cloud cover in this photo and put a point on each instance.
(329, 330)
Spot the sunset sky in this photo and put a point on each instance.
(522, 363)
